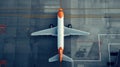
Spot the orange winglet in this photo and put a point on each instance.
(60, 13)
(60, 50)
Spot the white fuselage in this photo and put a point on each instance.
(60, 33)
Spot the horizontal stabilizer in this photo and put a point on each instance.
(51, 31)
(70, 31)
(66, 58)
(54, 58)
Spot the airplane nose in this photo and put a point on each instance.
(60, 9)
(60, 13)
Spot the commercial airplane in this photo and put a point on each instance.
(60, 31)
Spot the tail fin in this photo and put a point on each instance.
(56, 58)
(66, 58)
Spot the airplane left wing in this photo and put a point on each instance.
(70, 31)
(51, 31)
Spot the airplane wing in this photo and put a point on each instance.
(51, 31)
(70, 31)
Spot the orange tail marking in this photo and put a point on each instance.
(60, 13)
(60, 50)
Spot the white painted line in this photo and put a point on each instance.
(114, 44)
(100, 41)
(109, 44)
(86, 60)
(99, 54)
(73, 63)
(99, 44)
(109, 53)
(108, 34)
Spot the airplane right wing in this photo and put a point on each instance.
(51, 31)
(70, 31)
